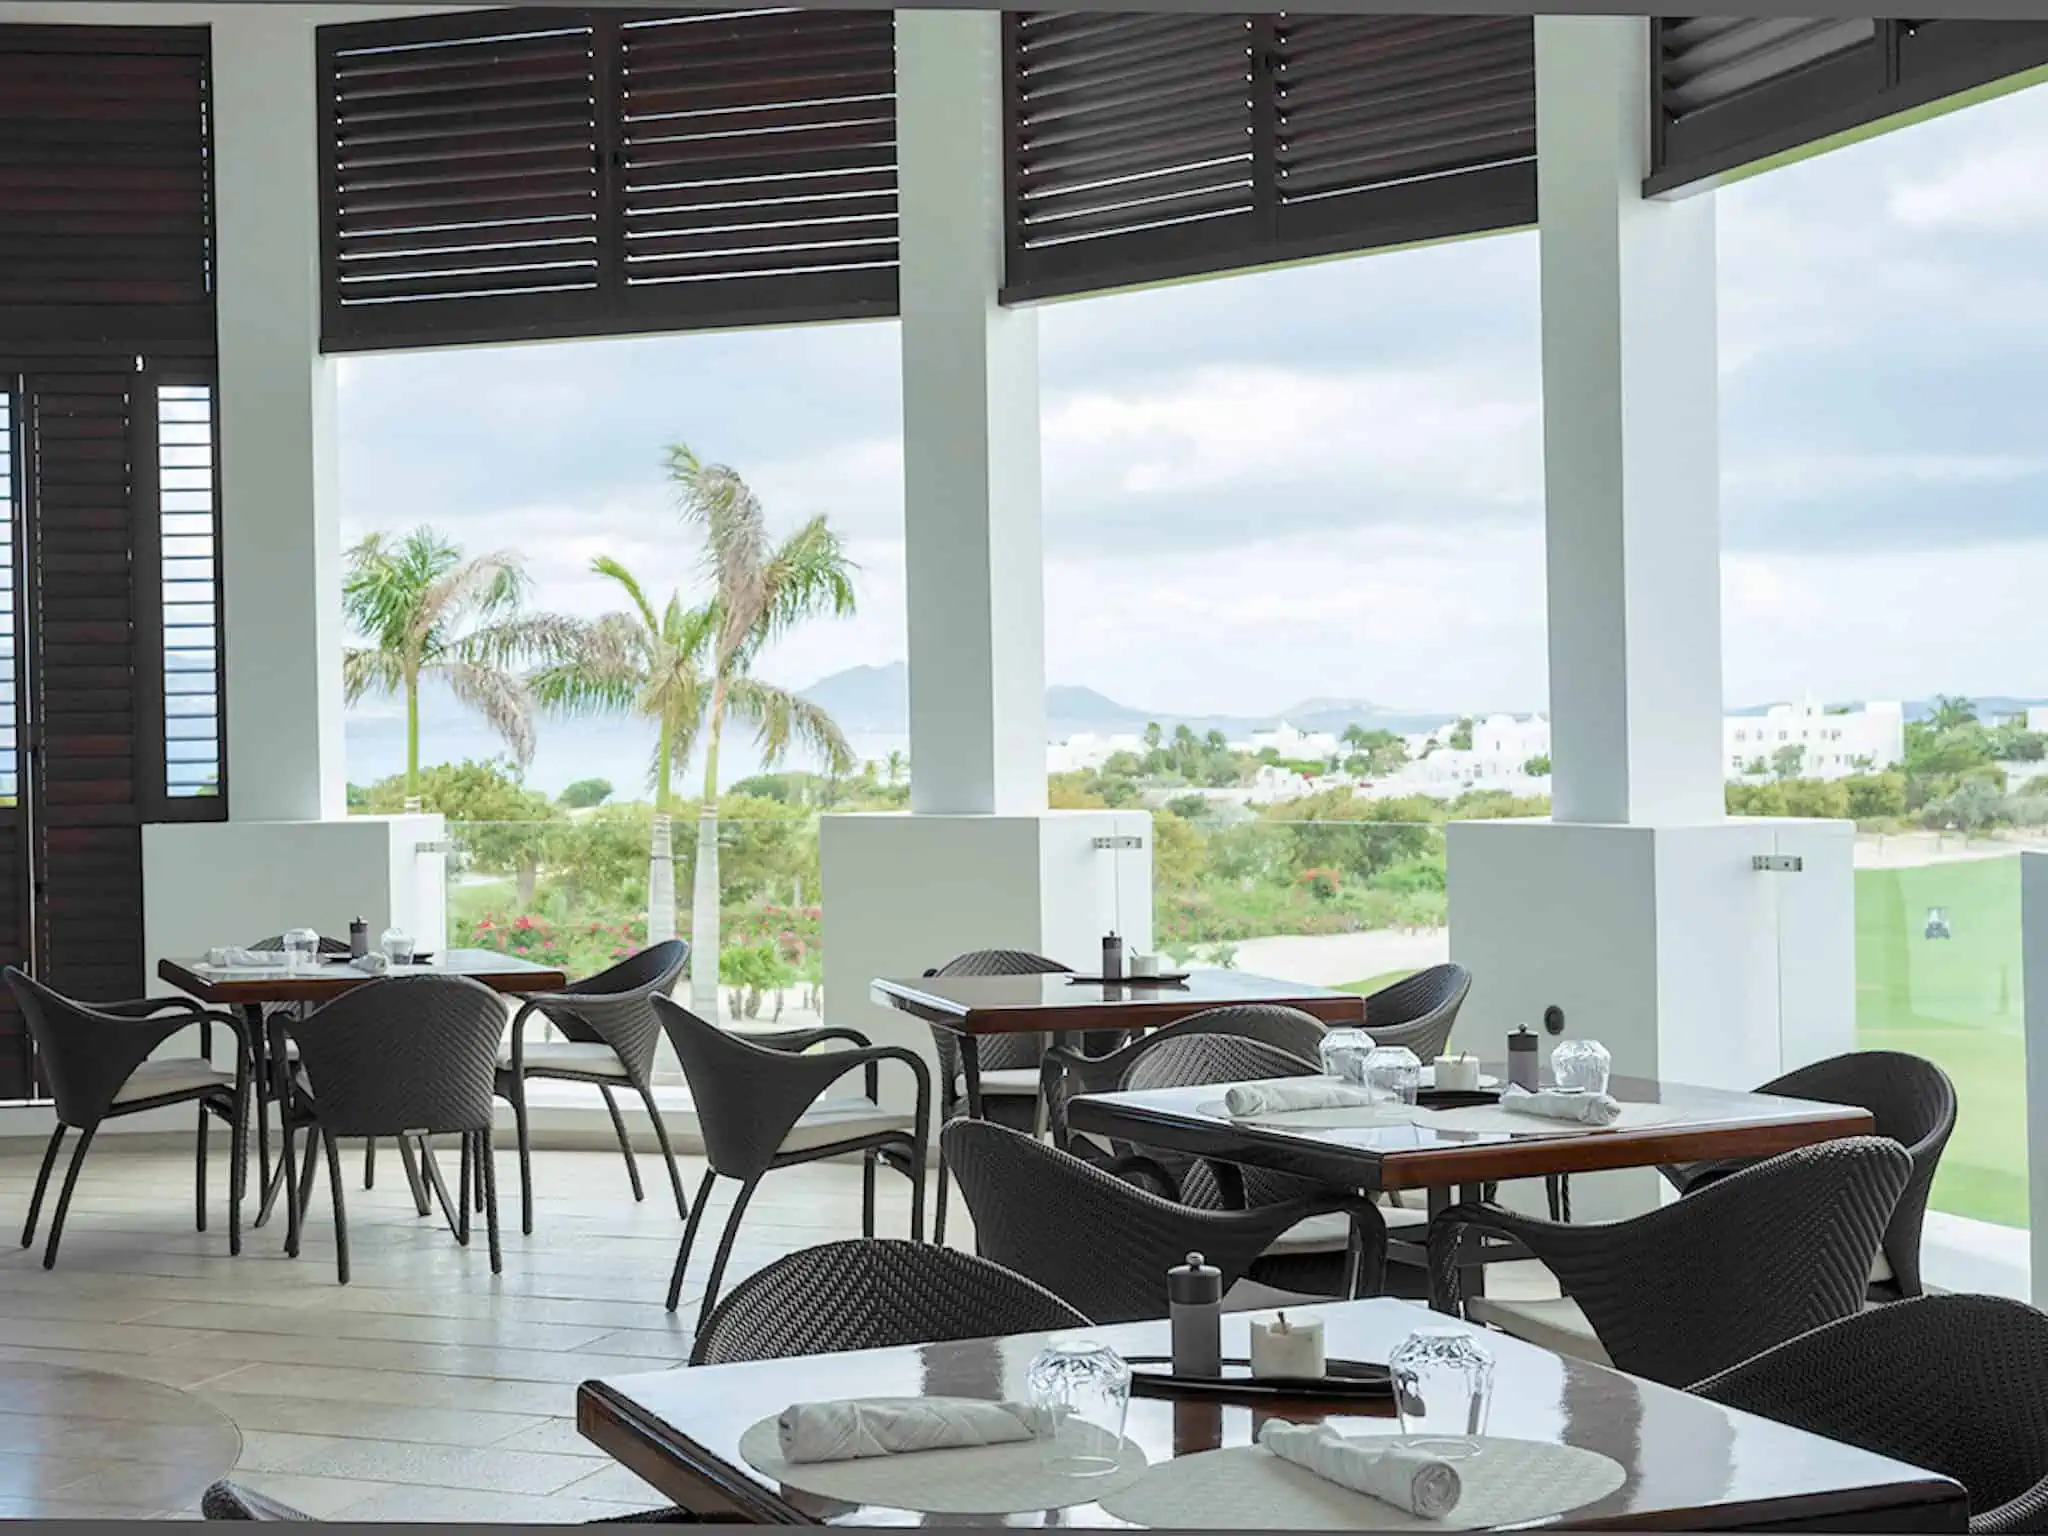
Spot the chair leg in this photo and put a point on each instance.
(370, 1162)
(306, 1173)
(625, 1142)
(200, 1171)
(725, 1242)
(35, 1203)
(516, 1092)
(487, 1160)
(334, 1182)
(466, 1173)
(867, 1193)
(696, 1218)
(431, 1167)
(412, 1176)
(64, 1197)
(668, 1156)
(238, 1163)
(915, 1170)
(288, 1178)
(939, 1208)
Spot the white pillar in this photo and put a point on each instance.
(1630, 444)
(280, 518)
(975, 573)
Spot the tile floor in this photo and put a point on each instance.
(426, 1389)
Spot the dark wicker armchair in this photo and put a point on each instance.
(1949, 1383)
(760, 1108)
(1693, 1287)
(1419, 1011)
(1104, 1245)
(398, 1056)
(1912, 1101)
(873, 1293)
(97, 1059)
(610, 1035)
(1009, 1067)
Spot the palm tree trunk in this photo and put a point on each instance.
(661, 864)
(704, 939)
(412, 738)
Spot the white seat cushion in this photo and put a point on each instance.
(1251, 1296)
(1554, 1323)
(834, 1120)
(1329, 1233)
(593, 1059)
(1010, 1082)
(154, 1079)
(1880, 1269)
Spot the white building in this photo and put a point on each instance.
(1293, 744)
(1831, 746)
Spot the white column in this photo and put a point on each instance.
(280, 518)
(975, 564)
(1630, 444)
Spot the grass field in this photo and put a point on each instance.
(1956, 1001)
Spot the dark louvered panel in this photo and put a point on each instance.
(84, 685)
(104, 188)
(464, 168)
(1130, 136)
(1708, 59)
(759, 149)
(15, 1060)
(187, 554)
(1366, 101)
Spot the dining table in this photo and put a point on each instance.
(251, 989)
(1451, 1152)
(1679, 1462)
(1067, 1006)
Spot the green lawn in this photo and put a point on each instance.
(1956, 1001)
(1372, 984)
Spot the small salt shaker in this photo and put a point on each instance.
(1522, 1058)
(1194, 1297)
(1113, 957)
(358, 939)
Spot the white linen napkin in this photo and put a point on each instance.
(232, 959)
(1425, 1486)
(890, 1426)
(1586, 1108)
(1283, 1094)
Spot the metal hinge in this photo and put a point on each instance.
(1777, 863)
(443, 846)
(1110, 844)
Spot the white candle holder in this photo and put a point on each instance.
(1288, 1348)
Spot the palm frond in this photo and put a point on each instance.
(482, 587)
(499, 697)
(604, 671)
(367, 672)
(807, 577)
(383, 585)
(715, 498)
(522, 640)
(781, 718)
(605, 565)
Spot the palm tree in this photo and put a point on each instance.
(897, 763)
(761, 591)
(1952, 710)
(428, 613)
(638, 662)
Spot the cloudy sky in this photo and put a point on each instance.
(1328, 481)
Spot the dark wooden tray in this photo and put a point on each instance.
(1164, 979)
(1456, 1098)
(1152, 1376)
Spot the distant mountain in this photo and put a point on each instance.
(876, 700)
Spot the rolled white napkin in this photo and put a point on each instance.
(232, 959)
(1283, 1094)
(373, 964)
(1586, 1108)
(891, 1426)
(1425, 1486)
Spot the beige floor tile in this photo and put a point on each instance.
(558, 1436)
(370, 1421)
(381, 1326)
(613, 1482)
(429, 1466)
(456, 1504)
(321, 1497)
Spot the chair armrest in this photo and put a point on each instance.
(803, 1039)
(1449, 1229)
(2025, 1512)
(1146, 1173)
(869, 1059)
(143, 1007)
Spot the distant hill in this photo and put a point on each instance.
(876, 700)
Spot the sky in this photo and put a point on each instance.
(1327, 481)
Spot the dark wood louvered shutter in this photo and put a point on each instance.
(757, 165)
(1734, 91)
(462, 176)
(80, 433)
(506, 175)
(16, 1058)
(1393, 129)
(1130, 146)
(105, 186)
(1147, 147)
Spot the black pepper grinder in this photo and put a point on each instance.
(1522, 1058)
(358, 939)
(1194, 1307)
(1113, 957)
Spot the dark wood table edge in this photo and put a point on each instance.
(1083, 1018)
(316, 989)
(652, 1450)
(1482, 1162)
